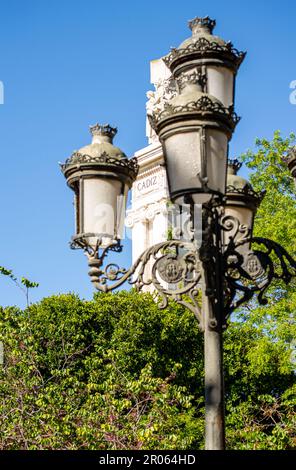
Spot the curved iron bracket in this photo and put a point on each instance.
(172, 269)
(230, 268)
(249, 272)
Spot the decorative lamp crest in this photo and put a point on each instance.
(204, 107)
(103, 130)
(237, 185)
(198, 23)
(233, 166)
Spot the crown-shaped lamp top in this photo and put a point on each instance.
(102, 133)
(201, 25)
(233, 166)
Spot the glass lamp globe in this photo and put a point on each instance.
(100, 176)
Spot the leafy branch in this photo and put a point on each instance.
(23, 284)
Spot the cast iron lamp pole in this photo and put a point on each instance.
(214, 381)
(230, 266)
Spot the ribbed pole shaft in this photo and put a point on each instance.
(214, 383)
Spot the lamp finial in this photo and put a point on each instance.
(233, 166)
(201, 24)
(103, 130)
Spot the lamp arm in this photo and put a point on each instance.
(172, 269)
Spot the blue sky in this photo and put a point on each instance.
(68, 64)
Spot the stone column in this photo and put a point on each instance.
(160, 224)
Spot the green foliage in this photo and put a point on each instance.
(276, 217)
(8, 273)
(106, 374)
(118, 373)
(268, 413)
(23, 282)
(170, 233)
(260, 390)
(29, 284)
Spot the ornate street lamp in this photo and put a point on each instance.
(194, 128)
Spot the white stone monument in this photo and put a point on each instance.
(148, 216)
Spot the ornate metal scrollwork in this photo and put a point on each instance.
(259, 195)
(230, 268)
(249, 272)
(203, 105)
(238, 267)
(102, 159)
(238, 232)
(172, 269)
(203, 46)
(194, 76)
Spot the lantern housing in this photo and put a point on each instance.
(194, 129)
(217, 59)
(240, 207)
(100, 176)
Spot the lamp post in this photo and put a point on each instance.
(194, 128)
